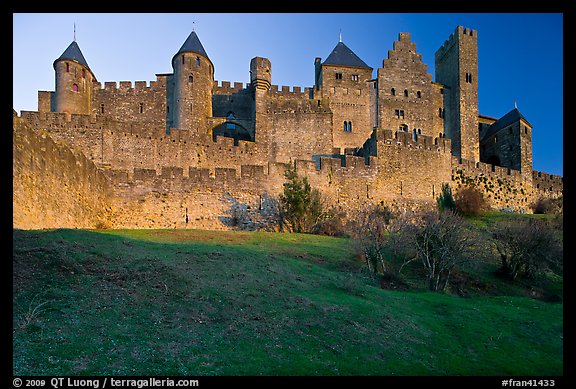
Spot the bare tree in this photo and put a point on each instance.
(381, 237)
(441, 240)
(527, 246)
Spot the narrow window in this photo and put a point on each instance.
(167, 109)
(83, 73)
(190, 79)
(101, 108)
(397, 113)
(197, 61)
(338, 76)
(183, 59)
(393, 92)
(67, 67)
(402, 113)
(75, 87)
(495, 139)
(414, 135)
(470, 77)
(405, 92)
(525, 130)
(440, 112)
(419, 94)
(349, 126)
(141, 107)
(419, 131)
(345, 126)
(354, 77)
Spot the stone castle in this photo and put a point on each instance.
(186, 151)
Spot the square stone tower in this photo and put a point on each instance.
(457, 69)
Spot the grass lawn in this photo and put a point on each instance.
(192, 302)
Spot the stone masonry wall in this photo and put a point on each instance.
(407, 98)
(53, 186)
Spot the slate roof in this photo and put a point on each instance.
(343, 56)
(73, 53)
(193, 44)
(511, 117)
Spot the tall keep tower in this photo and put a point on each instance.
(457, 69)
(193, 83)
(73, 82)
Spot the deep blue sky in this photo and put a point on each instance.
(520, 54)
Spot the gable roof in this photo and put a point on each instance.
(511, 117)
(73, 53)
(343, 56)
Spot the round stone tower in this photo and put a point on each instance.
(73, 82)
(193, 83)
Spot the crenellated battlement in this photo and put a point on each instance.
(285, 91)
(485, 169)
(548, 183)
(129, 86)
(458, 34)
(225, 88)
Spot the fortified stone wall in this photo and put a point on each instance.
(53, 186)
(140, 104)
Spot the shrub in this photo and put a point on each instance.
(445, 200)
(548, 206)
(527, 247)
(302, 206)
(470, 202)
(380, 236)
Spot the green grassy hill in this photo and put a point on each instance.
(190, 302)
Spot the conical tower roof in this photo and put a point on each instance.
(73, 53)
(192, 44)
(343, 56)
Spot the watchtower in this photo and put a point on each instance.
(73, 82)
(193, 83)
(457, 69)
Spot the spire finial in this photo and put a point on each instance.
(340, 35)
(515, 105)
(193, 26)
(74, 31)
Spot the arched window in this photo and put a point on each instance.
(190, 79)
(393, 92)
(345, 126)
(405, 92)
(230, 126)
(419, 94)
(197, 61)
(414, 135)
(419, 131)
(75, 87)
(101, 108)
(349, 126)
